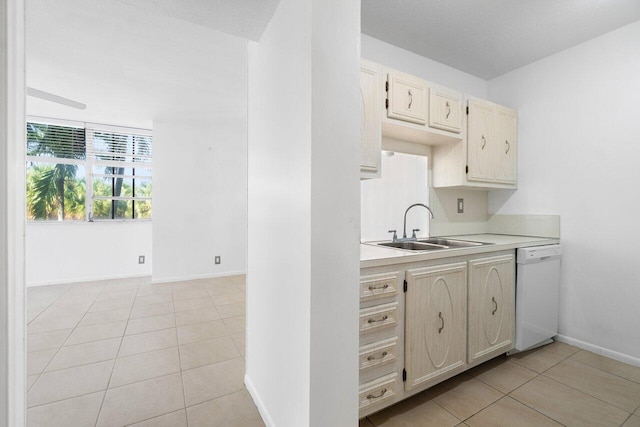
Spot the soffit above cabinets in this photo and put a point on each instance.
(242, 18)
(492, 37)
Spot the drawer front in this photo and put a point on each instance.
(407, 98)
(379, 317)
(378, 286)
(445, 110)
(378, 391)
(379, 353)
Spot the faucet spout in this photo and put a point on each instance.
(404, 230)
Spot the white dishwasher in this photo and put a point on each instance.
(537, 293)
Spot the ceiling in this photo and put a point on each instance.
(242, 18)
(489, 38)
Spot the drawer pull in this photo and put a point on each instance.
(377, 396)
(493, 299)
(442, 325)
(410, 100)
(373, 288)
(382, 356)
(484, 142)
(448, 110)
(382, 319)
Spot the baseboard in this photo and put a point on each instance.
(612, 354)
(258, 402)
(197, 276)
(86, 279)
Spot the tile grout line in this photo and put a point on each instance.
(44, 370)
(184, 392)
(115, 361)
(601, 370)
(77, 325)
(588, 394)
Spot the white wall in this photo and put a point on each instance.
(12, 214)
(139, 67)
(303, 198)
(279, 251)
(81, 251)
(402, 60)
(200, 193)
(578, 157)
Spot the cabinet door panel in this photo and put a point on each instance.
(435, 322)
(370, 120)
(491, 306)
(507, 136)
(481, 144)
(445, 110)
(407, 98)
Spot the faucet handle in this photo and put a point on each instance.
(395, 234)
(414, 232)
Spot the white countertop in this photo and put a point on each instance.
(372, 255)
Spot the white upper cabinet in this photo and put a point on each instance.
(481, 142)
(445, 110)
(370, 120)
(419, 113)
(488, 157)
(507, 144)
(492, 143)
(407, 98)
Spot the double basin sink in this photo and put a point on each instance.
(434, 244)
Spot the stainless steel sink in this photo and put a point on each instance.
(434, 244)
(413, 246)
(451, 243)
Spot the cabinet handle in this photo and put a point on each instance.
(377, 396)
(382, 319)
(508, 146)
(410, 100)
(373, 288)
(448, 110)
(484, 142)
(442, 320)
(382, 356)
(496, 306)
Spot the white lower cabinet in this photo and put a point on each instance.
(454, 313)
(436, 322)
(491, 307)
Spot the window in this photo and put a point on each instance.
(78, 171)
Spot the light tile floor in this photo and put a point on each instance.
(555, 385)
(127, 352)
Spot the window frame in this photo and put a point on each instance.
(89, 162)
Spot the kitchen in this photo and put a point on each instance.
(569, 94)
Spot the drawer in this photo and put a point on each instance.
(378, 286)
(378, 391)
(378, 353)
(378, 317)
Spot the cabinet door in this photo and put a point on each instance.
(370, 120)
(491, 306)
(407, 98)
(481, 145)
(445, 110)
(507, 142)
(435, 322)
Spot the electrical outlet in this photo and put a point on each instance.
(460, 205)
(140, 259)
(217, 259)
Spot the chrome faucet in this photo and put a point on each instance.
(404, 230)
